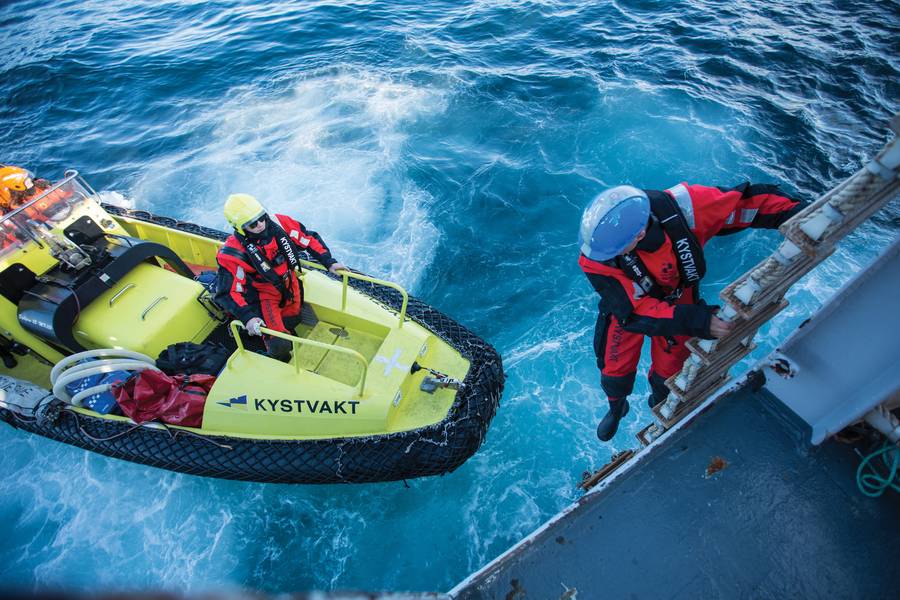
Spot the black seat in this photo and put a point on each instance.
(50, 306)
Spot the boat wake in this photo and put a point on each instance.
(330, 150)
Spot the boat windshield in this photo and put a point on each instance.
(48, 207)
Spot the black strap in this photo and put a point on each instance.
(287, 250)
(634, 267)
(688, 253)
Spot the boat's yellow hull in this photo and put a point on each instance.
(348, 407)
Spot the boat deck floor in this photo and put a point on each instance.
(780, 519)
(336, 365)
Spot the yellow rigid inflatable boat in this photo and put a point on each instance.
(380, 386)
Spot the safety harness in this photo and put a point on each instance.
(675, 213)
(287, 252)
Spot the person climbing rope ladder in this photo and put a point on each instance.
(642, 251)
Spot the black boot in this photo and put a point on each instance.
(607, 428)
(656, 398)
(279, 349)
(659, 391)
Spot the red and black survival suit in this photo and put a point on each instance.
(39, 211)
(653, 291)
(257, 275)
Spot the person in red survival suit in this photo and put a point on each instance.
(258, 265)
(14, 183)
(642, 250)
(18, 186)
(41, 210)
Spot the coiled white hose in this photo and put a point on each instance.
(105, 360)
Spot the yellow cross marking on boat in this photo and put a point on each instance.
(392, 363)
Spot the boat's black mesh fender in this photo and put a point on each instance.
(432, 450)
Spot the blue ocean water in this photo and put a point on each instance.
(450, 146)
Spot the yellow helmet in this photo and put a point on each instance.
(13, 179)
(241, 209)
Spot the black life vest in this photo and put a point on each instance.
(287, 251)
(686, 246)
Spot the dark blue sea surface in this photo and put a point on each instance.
(450, 146)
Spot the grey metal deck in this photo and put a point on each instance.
(782, 519)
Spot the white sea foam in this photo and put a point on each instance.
(329, 151)
(536, 350)
(116, 199)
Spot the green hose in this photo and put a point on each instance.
(870, 481)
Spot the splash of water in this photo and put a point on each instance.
(328, 151)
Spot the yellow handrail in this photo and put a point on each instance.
(298, 341)
(346, 275)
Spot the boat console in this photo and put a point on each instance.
(78, 281)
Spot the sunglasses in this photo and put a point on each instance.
(255, 222)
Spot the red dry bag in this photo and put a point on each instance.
(173, 399)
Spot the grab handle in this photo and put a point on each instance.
(119, 293)
(346, 274)
(149, 308)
